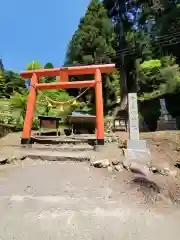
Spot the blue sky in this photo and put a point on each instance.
(37, 29)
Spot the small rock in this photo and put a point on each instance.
(12, 159)
(119, 168)
(164, 171)
(97, 164)
(115, 161)
(178, 149)
(177, 165)
(168, 172)
(124, 151)
(125, 163)
(105, 163)
(92, 160)
(173, 173)
(158, 144)
(114, 139)
(23, 157)
(122, 144)
(139, 168)
(29, 159)
(154, 170)
(101, 163)
(110, 169)
(160, 169)
(3, 159)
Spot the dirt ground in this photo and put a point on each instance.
(164, 145)
(165, 153)
(73, 200)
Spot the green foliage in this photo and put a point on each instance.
(158, 77)
(13, 111)
(10, 82)
(93, 43)
(49, 79)
(18, 102)
(154, 63)
(48, 65)
(34, 65)
(150, 65)
(93, 40)
(151, 58)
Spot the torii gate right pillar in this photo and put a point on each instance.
(99, 109)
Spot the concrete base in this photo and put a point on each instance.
(25, 141)
(137, 151)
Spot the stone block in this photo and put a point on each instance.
(137, 151)
(140, 145)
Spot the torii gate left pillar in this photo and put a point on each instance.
(64, 83)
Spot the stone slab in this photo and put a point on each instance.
(137, 145)
(59, 156)
(137, 151)
(138, 156)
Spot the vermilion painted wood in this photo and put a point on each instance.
(80, 70)
(99, 106)
(30, 109)
(76, 84)
(64, 74)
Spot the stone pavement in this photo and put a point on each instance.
(68, 200)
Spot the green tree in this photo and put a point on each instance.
(48, 65)
(93, 43)
(158, 77)
(18, 103)
(10, 82)
(34, 65)
(49, 79)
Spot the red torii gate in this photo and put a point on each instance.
(64, 74)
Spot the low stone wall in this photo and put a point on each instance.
(5, 129)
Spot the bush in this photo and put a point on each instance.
(35, 124)
(18, 123)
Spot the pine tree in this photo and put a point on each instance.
(93, 43)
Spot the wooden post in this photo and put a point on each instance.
(64, 76)
(99, 109)
(26, 135)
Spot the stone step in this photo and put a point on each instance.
(65, 147)
(63, 140)
(58, 155)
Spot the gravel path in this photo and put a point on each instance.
(51, 200)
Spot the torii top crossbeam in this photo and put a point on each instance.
(64, 74)
(79, 70)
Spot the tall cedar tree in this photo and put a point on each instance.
(93, 43)
(152, 28)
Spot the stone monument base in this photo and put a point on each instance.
(137, 151)
(163, 124)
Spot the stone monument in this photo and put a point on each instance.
(136, 149)
(165, 122)
(133, 117)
